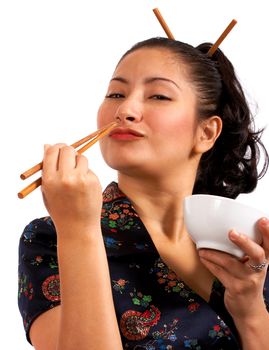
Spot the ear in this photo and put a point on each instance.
(208, 131)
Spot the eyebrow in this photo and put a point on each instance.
(147, 80)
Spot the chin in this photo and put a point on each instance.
(120, 165)
(131, 160)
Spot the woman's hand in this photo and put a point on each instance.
(243, 283)
(72, 193)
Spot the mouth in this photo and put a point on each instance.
(125, 134)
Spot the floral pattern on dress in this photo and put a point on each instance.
(160, 338)
(51, 288)
(118, 216)
(135, 325)
(192, 344)
(118, 212)
(29, 234)
(169, 280)
(112, 243)
(37, 260)
(219, 330)
(25, 287)
(119, 285)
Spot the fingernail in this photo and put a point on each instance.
(264, 221)
(201, 252)
(234, 234)
(46, 146)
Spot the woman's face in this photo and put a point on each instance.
(154, 104)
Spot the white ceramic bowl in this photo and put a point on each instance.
(209, 218)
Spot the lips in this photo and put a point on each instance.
(125, 133)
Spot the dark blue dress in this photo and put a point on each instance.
(155, 309)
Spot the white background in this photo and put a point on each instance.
(56, 58)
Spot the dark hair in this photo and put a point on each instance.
(230, 166)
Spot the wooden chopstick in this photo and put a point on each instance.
(30, 188)
(92, 138)
(221, 38)
(96, 138)
(76, 144)
(163, 23)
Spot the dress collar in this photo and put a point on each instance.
(112, 192)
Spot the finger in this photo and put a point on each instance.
(215, 269)
(217, 257)
(50, 159)
(263, 225)
(67, 159)
(215, 266)
(251, 248)
(82, 163)
(220, 262)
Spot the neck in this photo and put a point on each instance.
(159, 201)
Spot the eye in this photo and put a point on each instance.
(114, 95)
(160, 97)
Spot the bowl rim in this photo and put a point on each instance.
(225, 199)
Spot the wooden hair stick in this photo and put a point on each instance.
(163, 23)
(214, 47)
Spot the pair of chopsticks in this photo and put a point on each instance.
(90, 139)
(213, 48)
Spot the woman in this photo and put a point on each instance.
(184, 127)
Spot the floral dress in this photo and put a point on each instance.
(155, 309)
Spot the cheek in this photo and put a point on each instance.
(102, 115)
(178, 127)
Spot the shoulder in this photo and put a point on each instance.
(38, 238)
(39, 230)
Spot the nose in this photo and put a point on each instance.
(129, 111)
